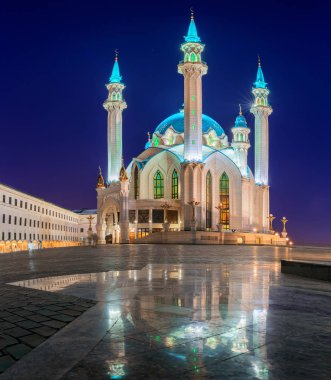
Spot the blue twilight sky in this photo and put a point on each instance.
(56, 57)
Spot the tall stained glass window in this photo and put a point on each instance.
(224, 199)
(158, 185)
(174, 185)
(209, 193)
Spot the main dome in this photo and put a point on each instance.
(176, 121)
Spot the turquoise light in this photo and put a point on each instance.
(115, 75)
(240, 122)
(192, 34)
(260, 83)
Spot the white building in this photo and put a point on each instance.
(28, 222)
(191, 175)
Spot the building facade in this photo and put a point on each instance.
(191, 176)
(27, 222)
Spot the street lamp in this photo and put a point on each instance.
(271, 218)
(284, 221)
(219, 208)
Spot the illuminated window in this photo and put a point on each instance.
(174, 185)
(136, 183)
(118, 96)
(193, 112)
(224, 199)
(187, 57)
(158, 185)
(113, 95)
(209, 193)
(262, 101)
(193, 57)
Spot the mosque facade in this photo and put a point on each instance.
(191, 176)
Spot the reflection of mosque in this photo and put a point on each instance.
(212, 310)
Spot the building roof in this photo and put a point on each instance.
(176, 121)
(192, 33)
(260, 83)
(115, 75)
(34, 197)
(85, 211)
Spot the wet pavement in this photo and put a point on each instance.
(173, 311)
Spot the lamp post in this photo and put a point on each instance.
(284, 221)
(271, 218)
(219, 208)
(166, 224)
(193, 204)
(89, 231)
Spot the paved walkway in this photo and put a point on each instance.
(156, 311)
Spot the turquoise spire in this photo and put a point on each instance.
(115, 75)
(192, 34)
(260, 83)
(240, 120)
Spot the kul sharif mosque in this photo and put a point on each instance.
(192, 182)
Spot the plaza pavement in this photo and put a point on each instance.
(163, 311)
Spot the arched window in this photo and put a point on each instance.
(187, 57)
(262, 101)
(209, 192)
(118, 96)
(158, 185)
(136, 182)
(258, 101)
(224, 199)
(174, 185)
(193, 57)
(113, 95)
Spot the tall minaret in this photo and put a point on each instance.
(261, 110)
(240, 142)
(114, 104)
(192, 69)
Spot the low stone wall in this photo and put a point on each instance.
(205, 237)
(317, 271)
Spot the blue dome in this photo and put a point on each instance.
(177, 122)
(240, 122)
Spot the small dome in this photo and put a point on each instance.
(240, 122)
(176, 121)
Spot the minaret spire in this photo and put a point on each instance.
(240, 142)
(115, 74)
(261, 111)
(260, 82)
(192, 69)
(115, 106)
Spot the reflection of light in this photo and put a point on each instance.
(113, 313)
(169, 341)
(211, 342)
(116, 370)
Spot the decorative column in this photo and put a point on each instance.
(124, 205)
(115, 105)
